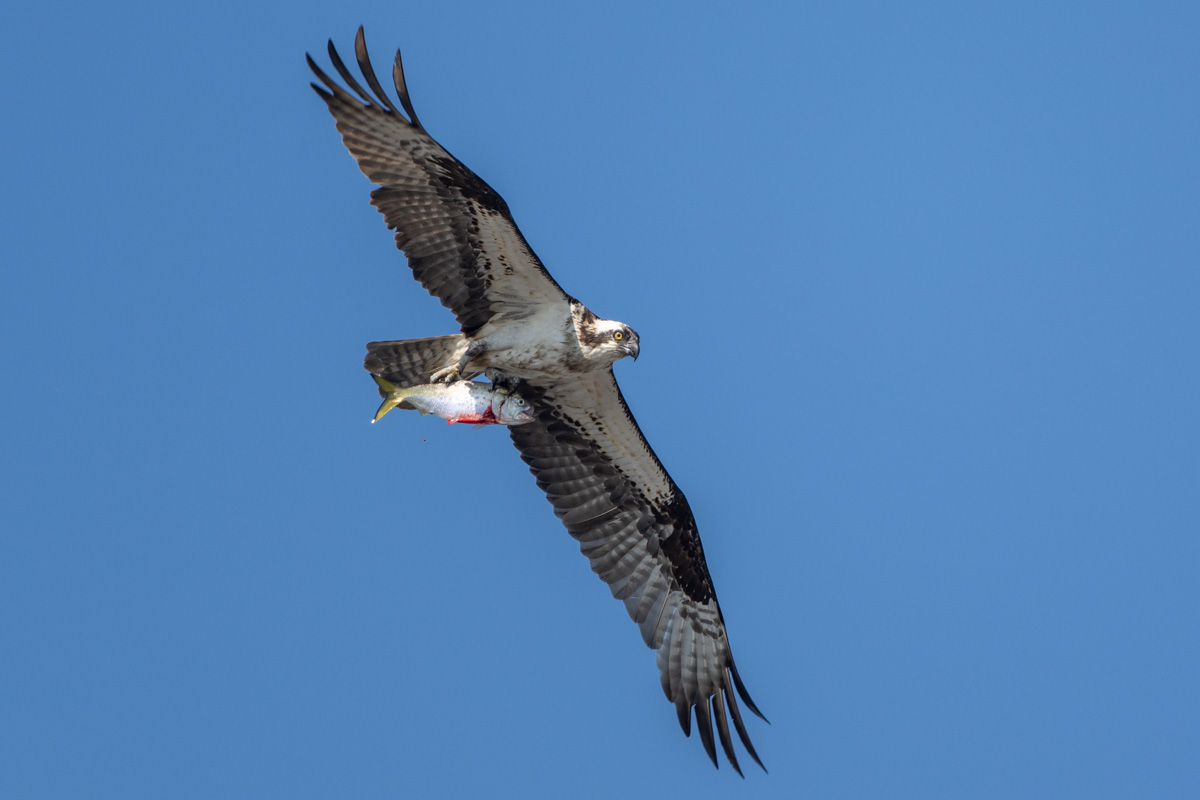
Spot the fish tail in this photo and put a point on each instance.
(393, 397)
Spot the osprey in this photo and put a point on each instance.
(520, 329)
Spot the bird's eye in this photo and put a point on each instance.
(618, 335)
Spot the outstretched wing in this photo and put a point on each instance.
(635, 527)
(457, 232)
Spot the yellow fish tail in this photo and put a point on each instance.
(394, 397)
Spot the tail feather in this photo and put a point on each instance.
(409, 362)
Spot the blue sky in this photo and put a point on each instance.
(917, 287)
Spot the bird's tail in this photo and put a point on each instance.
(408, 362)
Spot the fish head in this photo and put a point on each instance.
(511, 409)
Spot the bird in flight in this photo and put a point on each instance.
(519, 329)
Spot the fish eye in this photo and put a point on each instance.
(618, 335)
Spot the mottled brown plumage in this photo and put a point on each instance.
(520, 328)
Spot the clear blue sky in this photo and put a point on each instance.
(918, 289)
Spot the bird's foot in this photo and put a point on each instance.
(446, 375)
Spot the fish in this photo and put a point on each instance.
(459, 401)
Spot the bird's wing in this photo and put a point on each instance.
(635, 526)
(457, 232)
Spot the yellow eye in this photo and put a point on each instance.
(618, 335)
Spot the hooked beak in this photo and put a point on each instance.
(632, 349)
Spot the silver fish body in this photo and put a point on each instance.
(460, 401)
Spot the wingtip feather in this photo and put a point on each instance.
(347, 75)
(402, 91)
(740, 726)
(704, 728)
(684, 712)
(741, 690)
(718, 707)
(368, 71)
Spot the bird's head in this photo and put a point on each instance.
(610, 340)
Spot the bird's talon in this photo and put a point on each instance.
(447, 375)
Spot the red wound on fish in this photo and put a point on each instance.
(485, 418)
